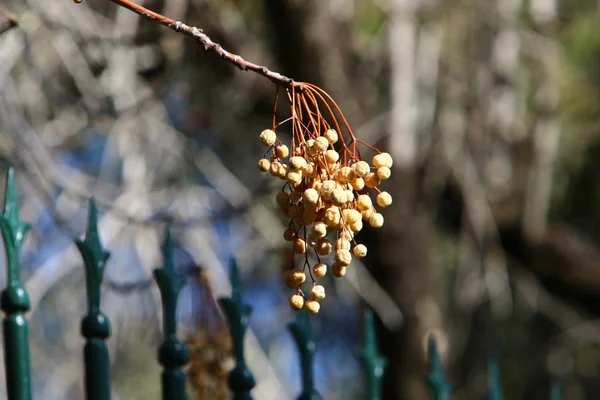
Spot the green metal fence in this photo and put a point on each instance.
(173, 353)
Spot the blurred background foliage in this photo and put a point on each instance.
(489, 108)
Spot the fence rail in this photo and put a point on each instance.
(173, 353)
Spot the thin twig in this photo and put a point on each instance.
(208, 44)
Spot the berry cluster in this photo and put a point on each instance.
(326, 192)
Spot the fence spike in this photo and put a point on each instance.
(14, 299)
(495, 386)
(95, 327)
(302, 332)
(435, 379)
(173, 353)
(372, 362)
(240, 381)
(556, 391)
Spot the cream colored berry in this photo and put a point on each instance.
(343, 257)
(351, 216)
(332, 216)
(282, 198)
(356, 226)
(349, 196)
(282, 151)
(376, 220)
(384, 172)
(312, 306)
(327, 188)
(342, 244)
(338, 197)
(320, 270)
(360, 251)
(295, 278)
(289, 235)
(268, 137)
(321, 144)
(299, 246)
(371, 180)
(297, 163)
(264, 165)
(310, 146)
(274, 168)
(308, 216)
(384, 199)
(338, 270)
(366, 214)
(348, 235)
(382, 160)
(309, 169)
(296, 302)
(364, 202)
(344, 175)
(331, 136)
(310, 196)
(358, 183)
(323, 247)
(320, 229)
(331, 156)
(361, 168)
(294, 177)
(317, 292)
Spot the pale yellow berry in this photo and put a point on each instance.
(332, 216)
(366, 214)
(282, 151)
(327, 188)
(320, 230)
(295, 278)
(384, 199)
(289, 235)
(309, 169)
(331, 156)
(268, 137)
(376, 220)
(310, 196)
(294, 177)
(344, 175)
(384, 172)
(361, 168)
(321, 144)
(360, 251)
(358, 183)
(338, 270)
(342, 244)
(364, 202)
(338, 197)
(320, 270)
(264, 165)
(317, 292)
(299, 246)
(351, 216)
(371, 180)
(297, 302)
(349, 196)
(331, 136)
(346, 235)
(382, 160)
(274, 168)
(312, 306)
(297, 162)
(356, 226)
(283, 171)
(282, 198)
(323, 247)
(343, 257)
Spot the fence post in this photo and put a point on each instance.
(372, 362)
(240, 381)
(495, 387)
(440, 389)
(302, 332)
(15, 300)
(95, 327)
(173, 353)
(556, 391)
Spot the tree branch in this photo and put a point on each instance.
(208, 44)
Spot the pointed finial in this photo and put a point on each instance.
(435, 377)
(303, 336)
(495, 387)
(372, 362)
(556, 391)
